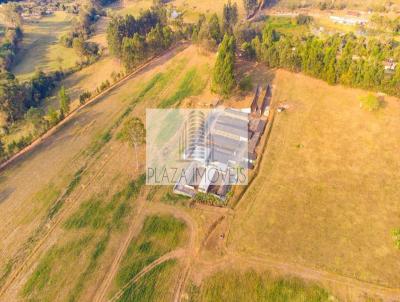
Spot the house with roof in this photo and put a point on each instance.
(231, 139)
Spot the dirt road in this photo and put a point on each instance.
(171, 255)
(58, 155)
(145, 210)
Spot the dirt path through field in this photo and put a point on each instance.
(53, 154)
(171, 255)
(144, 210)
(97, 168)
(236, 260)
(134, 230)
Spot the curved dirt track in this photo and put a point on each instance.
(58, 152)
(146, 209)
(171, 255)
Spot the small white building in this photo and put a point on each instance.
(348, 20)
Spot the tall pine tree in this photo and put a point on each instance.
(224, 78)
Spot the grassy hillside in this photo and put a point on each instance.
(88, 142)
(40, 48)
(327, 191)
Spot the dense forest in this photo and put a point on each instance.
(135, 39)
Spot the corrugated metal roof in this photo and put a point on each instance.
(226, 142)
(231, 131)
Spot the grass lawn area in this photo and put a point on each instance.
(133, 7)
(68, 265)
(190, 9)
(94, 209)
(286, 25)
(160, 235)
(330, 26)
(54, 270)
(40, 48)
(251, 286)
(328, 189)
(156, 285)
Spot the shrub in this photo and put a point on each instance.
(370, 102)
(208, 199)
(248, 51)
(303, 19)
(246, 84)
(396, 237)
(172, 198)
(66, 40)
(103, 86)
(84, 96)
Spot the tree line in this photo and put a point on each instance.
(223, 81)
(209, 33)
(213, 33)
(9, 47)
(346, 59)
(339, 59)
(134, 39)
(16, 98)
(10, 36)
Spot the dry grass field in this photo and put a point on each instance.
(40, 48)
(190, 9)
(249, 286)
(85, 167)
(352, 4)
(76, 212)
(327, 193)
(132, 7)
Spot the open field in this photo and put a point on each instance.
(326, 196)
(78, 223)
(132, 7)
(83, 143)
(96, 219)
(159, 235)
(190, 9)
(352, 4)
(40, 48)
(233, 285)
(155, 286)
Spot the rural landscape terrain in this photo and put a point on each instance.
(319, 219)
